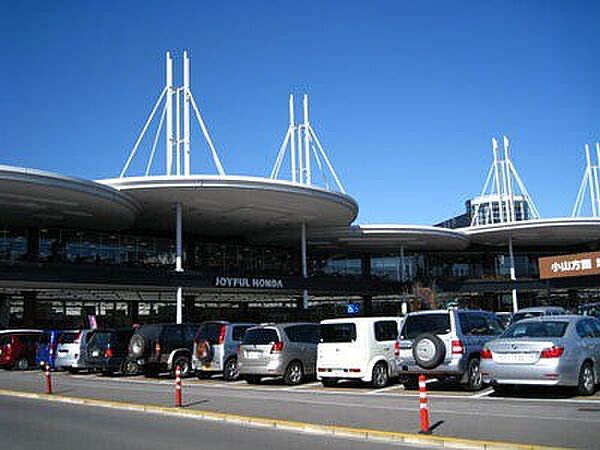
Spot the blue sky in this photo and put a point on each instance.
(405, 96)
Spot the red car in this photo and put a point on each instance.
(17, 348)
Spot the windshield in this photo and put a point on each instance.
(536, 330)
(260, 336)
(338, 332)
(526, 315)
(435, 323)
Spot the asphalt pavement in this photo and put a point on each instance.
(30, 424)
(544, 419)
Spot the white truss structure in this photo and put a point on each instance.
(502, 191)
(304, 148)
(176, 102)
(589, 183)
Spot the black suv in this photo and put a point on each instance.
(108, 351)
(162, 347)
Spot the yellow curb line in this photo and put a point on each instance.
(287, 425)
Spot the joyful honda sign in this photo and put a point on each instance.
(570, 265)
(251, 283)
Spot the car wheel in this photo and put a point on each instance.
(130, 368)
(184, 365)
(586, 385)
(294, 373)
(328, 382)
(474, 379)
(252, 379)
(231, 372)
(22, 364)
(380, 377)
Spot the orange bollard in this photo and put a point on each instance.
(48, 380)
(423, 408)
(178, 401)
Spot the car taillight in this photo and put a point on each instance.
(222, 332)
(486, 353)
(397, 348)
(553, 352)
(457, 348)
(108, 353)
(157, 348)
(277, 347)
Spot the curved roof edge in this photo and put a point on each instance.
(56, 180)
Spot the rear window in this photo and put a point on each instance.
(386, 330)
(526, 315)
(209, 332)
(100, 338)
(435, 323)
(238, 332)
(69, 337)
(260, 336)
(536, 330)
(338, 332)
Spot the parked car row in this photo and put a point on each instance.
(470, 347)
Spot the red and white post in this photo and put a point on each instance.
(423, 408)
(178, 401)
(48, 380)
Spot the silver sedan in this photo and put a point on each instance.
(545, 351)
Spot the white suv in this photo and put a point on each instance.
(359, 349)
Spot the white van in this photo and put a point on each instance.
(361, 348)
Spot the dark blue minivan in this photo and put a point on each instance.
(46, 349)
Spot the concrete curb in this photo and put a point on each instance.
(287, 425)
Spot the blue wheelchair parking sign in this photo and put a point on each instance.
(352, 308)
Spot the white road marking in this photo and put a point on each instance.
(385, 389)
(484, 393)
(306, 387)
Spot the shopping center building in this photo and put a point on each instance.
(168, 245)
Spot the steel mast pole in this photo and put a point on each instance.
(179, 259)
(590, 170)
(169, 106)
(186, 114)
(306, 144)
(513, 276)
(293, 140)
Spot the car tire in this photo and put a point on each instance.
(380, 376)
(329, 382)
(586, 382)
(294, 373)
(231, 371)
(184, 364)
(22, 364)
(130, 368)
(474, 381)
(252, 379)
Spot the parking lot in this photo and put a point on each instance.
(544, 417)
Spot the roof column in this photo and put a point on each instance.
(304, 264)
(513, 275)
(178, 260)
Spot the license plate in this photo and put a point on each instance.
(515, 358)
(405, 353)
(253, 355)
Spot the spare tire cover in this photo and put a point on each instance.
(428, 350)
(204, 351)
(137, 345)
